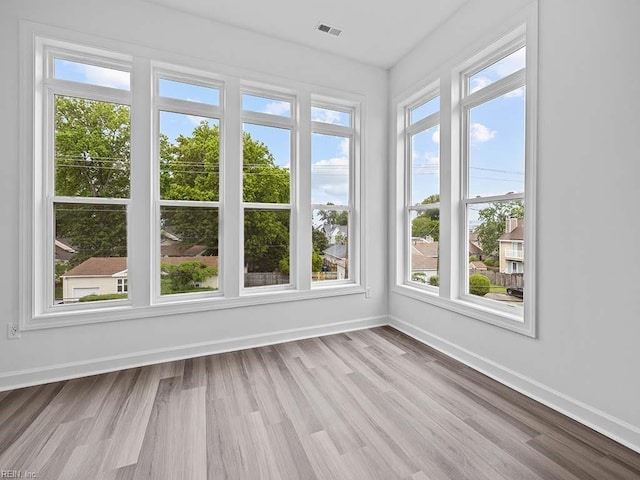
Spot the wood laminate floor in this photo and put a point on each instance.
(371, 404)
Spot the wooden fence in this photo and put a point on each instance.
(260, 279)
(502, 279)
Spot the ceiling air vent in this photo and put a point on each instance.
(323, 27)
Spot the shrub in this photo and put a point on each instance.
(479, 284)
(419, 277)
(473, 258)
(434, 280)
(490, 262)
(107, 296)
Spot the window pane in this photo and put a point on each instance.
(92, 148)
(266, 153)
(189, 157)
(496, 135)
(500, 69)
(330, 234)
(271, 106)
(90, 252)
(330, 165)
(91, 74)
(334, 117)
(266, 247)
(188, 249)
(425, 166)
(424, 110)
(496, 251)
(188, 91)
(424, 246)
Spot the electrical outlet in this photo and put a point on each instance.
(367, 292)
(12, 331)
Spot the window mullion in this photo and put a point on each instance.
(142, 229)
(302, 248)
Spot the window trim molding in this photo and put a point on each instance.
(143, 60)
(452, 225)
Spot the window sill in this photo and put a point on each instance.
(483, 313)
(128, 312)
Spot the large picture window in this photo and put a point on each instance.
(136, 166)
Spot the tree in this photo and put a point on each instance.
(320, 240)
(427, 223)
(434, 213)
(92, 148)
(334, 217)
(184, 276)
(492, 224)
(92, 159)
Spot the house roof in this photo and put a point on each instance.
(178, 250)
(98, 267)
(339, 250)
(477, 265)
(428, 249)
(515, 234)
(475, 249)
(421, 262)
(208, 260)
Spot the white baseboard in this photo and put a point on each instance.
(608, 425)
(67, 371)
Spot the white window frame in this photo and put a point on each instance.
(287, 123)
(353, 233)
(36, 276)
(411, 130)
(167, 104)
(451, 294)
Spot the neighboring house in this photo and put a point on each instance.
(96, 275)
(334, 233)
(477, 266)
(208, 260)
(337, 255)
(424, 257)
(171, 246)
(512, 246)
(64, 252)
(108, 275)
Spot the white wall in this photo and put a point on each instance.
(586, 359)
(46, 354)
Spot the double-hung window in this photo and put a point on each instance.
(422, 202)
(483, 183)
(85, 182)
(187, 164)
(268, 170)
(332, 193)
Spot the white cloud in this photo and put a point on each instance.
(325, 116)
(480, 133)
(510, 64)
(435, 137)
(515, 93)
(278, 108)
(330, 180)
(478, 83)
(428, 164)
(105, 77)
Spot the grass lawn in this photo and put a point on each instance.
(497, 289)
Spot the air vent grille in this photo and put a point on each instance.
(323, 27)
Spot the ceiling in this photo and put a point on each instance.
(377, 33)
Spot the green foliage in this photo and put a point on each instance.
(490, 262)
(434, 280)
(183, 276)
(283, 265)
(479, 284)
(108, 296)
(61, 268)
(473, 258)
(92, 148)
(334, 217)
(419, 277)
(423, 227)
(433, 214)
(341, 238)
(320, 240)
(316, 262)
(492, 224)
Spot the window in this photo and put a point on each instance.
(146, 194)
(188, 181)
(477, 192)
(332, 197)
(422, 206)
(86, 187)
(267, 186)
